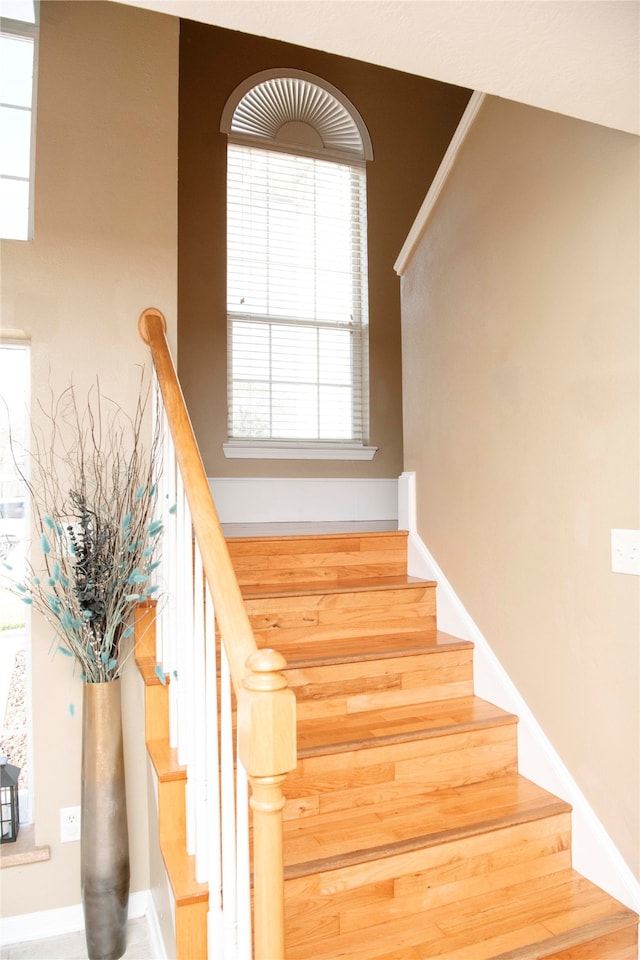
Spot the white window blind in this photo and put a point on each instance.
(297, 297)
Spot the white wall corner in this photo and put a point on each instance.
(595, 855)
(407, 501)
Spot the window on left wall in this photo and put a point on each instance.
(18, 70)
(15, 646)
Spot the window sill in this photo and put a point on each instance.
(23, 850)
(295, 450)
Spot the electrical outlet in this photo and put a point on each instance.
(625, 551)
(69, 824)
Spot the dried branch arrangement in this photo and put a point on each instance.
(93, 494)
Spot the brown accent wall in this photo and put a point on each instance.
(411, 121)
(522, 417)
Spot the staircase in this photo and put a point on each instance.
(408, 832)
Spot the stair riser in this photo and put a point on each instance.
(145, 630)
(341, 689)
(289, 571)
(191, 931)
(353, 898)
(156, 711)
(171, 812)
(263, 562)
(312, 617)
(327, 783)
(156, 700)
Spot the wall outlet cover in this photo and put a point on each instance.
(69, 824)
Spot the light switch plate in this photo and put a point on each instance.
(625, 551)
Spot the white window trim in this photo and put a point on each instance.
(296, 450)
(24, 28)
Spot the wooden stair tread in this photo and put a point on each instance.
(148, 669)
(325, 652)
(382, 828)
(333, 586)
(528, 921)
(327, 735)
(586, 942)
(165, 761)
(301, 542)
(181, 871)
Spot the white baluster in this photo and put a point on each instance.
(215, 928)
(186, 674)
(229, 873)
(169, 548)
(199, 733)
(176, 700)
(243, 863)
(170, 632)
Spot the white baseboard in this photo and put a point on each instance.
(290, 500)
(595, 855)
(156, 943)
(56, 923)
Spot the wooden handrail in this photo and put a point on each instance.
(265, 704)
(230, 610)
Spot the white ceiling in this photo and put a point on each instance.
(579, 57)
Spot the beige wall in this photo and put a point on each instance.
(411, 121)
(105, 248)
(521, 400)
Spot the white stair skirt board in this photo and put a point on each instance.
(317, 500)
(56, 923)
(594, 853)
(161, 900)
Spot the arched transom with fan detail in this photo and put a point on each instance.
(297, 310)
(296, 110)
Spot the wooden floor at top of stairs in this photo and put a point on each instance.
(287, 541)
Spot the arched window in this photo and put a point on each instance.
(296, 268)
